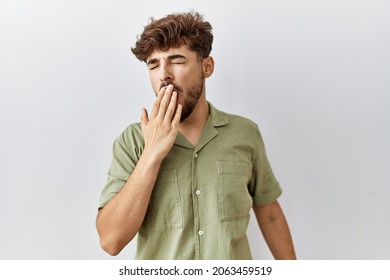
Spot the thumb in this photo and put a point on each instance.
(144, 118)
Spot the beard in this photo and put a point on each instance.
(191, 99)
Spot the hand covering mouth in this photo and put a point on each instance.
(166, 84)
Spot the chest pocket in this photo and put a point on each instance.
(165, 209)
(234, 200)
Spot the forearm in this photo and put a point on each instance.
(120, 219)
(277, 235)
(275, 230)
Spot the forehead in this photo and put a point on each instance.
(182, 50)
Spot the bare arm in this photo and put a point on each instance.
(120, 219)
(275, 230)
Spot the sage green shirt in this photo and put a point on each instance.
(199, 208)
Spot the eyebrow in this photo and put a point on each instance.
(171, 57)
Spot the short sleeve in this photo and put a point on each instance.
(126, 151)
(264, 186)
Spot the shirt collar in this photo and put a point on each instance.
(218, 118)
(215, 119)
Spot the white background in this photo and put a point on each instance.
(315, 76)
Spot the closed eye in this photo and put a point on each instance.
(177, 59)
(152, 64)
(151, 67)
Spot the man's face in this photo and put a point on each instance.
(181, 68)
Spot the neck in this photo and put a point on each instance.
(192, 127)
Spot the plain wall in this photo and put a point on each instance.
(314, 75)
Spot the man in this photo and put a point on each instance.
(186, 177)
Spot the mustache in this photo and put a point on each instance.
(175, 87)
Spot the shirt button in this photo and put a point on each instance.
(197, 192)
(196, 155)
(200, 232)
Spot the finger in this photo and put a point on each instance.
(176, 117)
(165, 102)
(171, 108)
(156, 104)
(144, 118)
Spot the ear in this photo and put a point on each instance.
(208, 66)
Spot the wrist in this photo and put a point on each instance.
(151, 158)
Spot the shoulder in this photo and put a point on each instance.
(242, 121)
(131, 135)
(245, 127)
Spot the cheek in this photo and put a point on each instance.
(155, 84)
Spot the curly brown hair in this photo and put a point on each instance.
(173, 31)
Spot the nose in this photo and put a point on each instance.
(165, 74)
